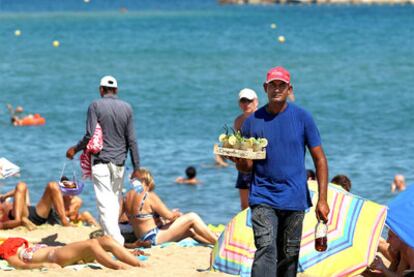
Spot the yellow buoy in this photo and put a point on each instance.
(273, 26)
(281, 39)
(17, 33)
(56, 43)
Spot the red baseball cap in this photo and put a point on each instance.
(278, 73)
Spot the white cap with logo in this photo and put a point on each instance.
(109, 81)
(247, 93)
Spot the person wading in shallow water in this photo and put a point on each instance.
(398, 184)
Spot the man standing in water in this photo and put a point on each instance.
(398, 184)
(248, 103)
(116, 120)
(279, 194)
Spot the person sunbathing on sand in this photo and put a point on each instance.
(152, 220)
(15, 214)
(72, 205)
(18, 253)
(400, 254)
(49, 209)
(52, 208)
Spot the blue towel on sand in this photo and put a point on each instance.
(142, 258)
(188, 242)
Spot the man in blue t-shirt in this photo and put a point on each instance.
(279, 194)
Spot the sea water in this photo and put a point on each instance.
(180, 64)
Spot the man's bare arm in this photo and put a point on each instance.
(321, 166)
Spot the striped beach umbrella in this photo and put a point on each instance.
(354, 227)
(234, 250)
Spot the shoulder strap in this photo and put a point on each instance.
(141, 206)
(74, 176)
(63, 171)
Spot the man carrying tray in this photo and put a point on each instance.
(279, 194)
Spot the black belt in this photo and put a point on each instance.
(98, 161)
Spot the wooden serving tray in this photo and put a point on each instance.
(245, 154)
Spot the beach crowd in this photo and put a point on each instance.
(275, 189)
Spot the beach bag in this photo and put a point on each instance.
(94, 146)
(67, 186)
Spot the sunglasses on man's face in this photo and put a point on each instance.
(245, 100)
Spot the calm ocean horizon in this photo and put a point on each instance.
(181, 64)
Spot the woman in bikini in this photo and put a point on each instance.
(153, 221)
(15, 214)
(18, 253)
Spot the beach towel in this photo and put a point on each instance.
(4, 265)
(188, 242)
(94, 146)
(216, 229)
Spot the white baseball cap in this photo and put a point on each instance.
(247, 93)
(109, 81)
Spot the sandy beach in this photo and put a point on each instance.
(169, 261)
(173, 260)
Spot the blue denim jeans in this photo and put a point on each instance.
(277, 235)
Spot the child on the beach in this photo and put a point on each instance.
(18, 253)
